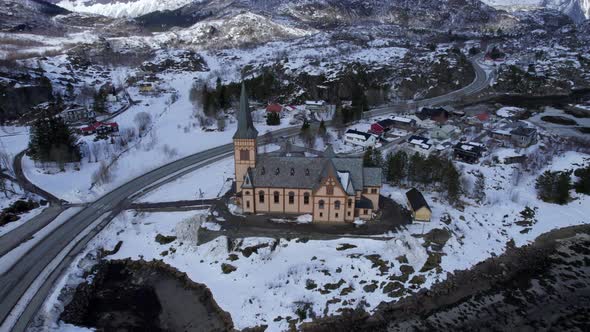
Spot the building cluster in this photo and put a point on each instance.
(330, 188)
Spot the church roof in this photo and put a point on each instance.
(307, 173)
(246, 128)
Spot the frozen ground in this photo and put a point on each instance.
(321, 277)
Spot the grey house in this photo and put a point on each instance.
(523, 136)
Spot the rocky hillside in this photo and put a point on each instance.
(450, 14)
(28, 16)
(578, 10)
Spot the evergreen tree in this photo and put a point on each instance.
(415, 167)
(368, 159)
(452, 183)
(554, 187)
(583, 184)
(377, 158)
(98, 105)
(397, 167)
(479, 193)
(52, 141)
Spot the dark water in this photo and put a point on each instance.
(141, 296)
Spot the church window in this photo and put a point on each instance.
(291, 197)
(306, 198)
(321, 204)
(261, 196)
(330, 190)
(276, 197)
(337, 205)
(349, 203)
(244, 154)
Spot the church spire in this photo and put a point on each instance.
(246, 128)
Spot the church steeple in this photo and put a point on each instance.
(246, 128)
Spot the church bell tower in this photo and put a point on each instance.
(245, 150)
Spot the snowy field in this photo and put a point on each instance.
(321, 277)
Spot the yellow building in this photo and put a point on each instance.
(330, 188)
(418, 206)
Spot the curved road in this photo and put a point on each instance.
(24, 288)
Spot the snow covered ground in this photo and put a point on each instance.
(175, 133)
(320, 277)
(208, 182)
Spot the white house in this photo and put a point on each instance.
(421, 145)
(316, 106)
(359, 138)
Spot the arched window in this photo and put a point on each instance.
(276, 197)
(337, 205)
(244, 154)
(261, 196)
(306, 198)
(349, 203)
(321, 204)
(291, 197)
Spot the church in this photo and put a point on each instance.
(332, 189)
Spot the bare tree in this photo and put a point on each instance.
(102, 175)
(143, 120)
(96, 150)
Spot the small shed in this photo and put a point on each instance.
(418, 206)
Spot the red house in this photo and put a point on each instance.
(100, 128)
(274, 108)
(382, 126)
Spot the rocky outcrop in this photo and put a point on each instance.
(467, 300)
(140, 295)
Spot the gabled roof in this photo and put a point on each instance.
(308, 173)
(416, 200)
(246, 128)
(359, 133)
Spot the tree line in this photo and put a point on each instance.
(555, 186)
(401, 168)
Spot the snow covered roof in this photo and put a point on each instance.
(358, 134)
(315, 102)
(402, 119)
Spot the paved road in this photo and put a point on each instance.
(27, 185)
(15, 282)
(45, 259)
(481, 81)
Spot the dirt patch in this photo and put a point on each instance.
(345, 246)
(126, 295)
(163, 239)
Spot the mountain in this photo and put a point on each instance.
(120, 8)
(578, 10)
(318, 13)
(29, 16)
(322, 14)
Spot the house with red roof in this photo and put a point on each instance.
(100, 128)
(274, 108)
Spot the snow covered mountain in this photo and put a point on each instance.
(120, 8)
(578, 10)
